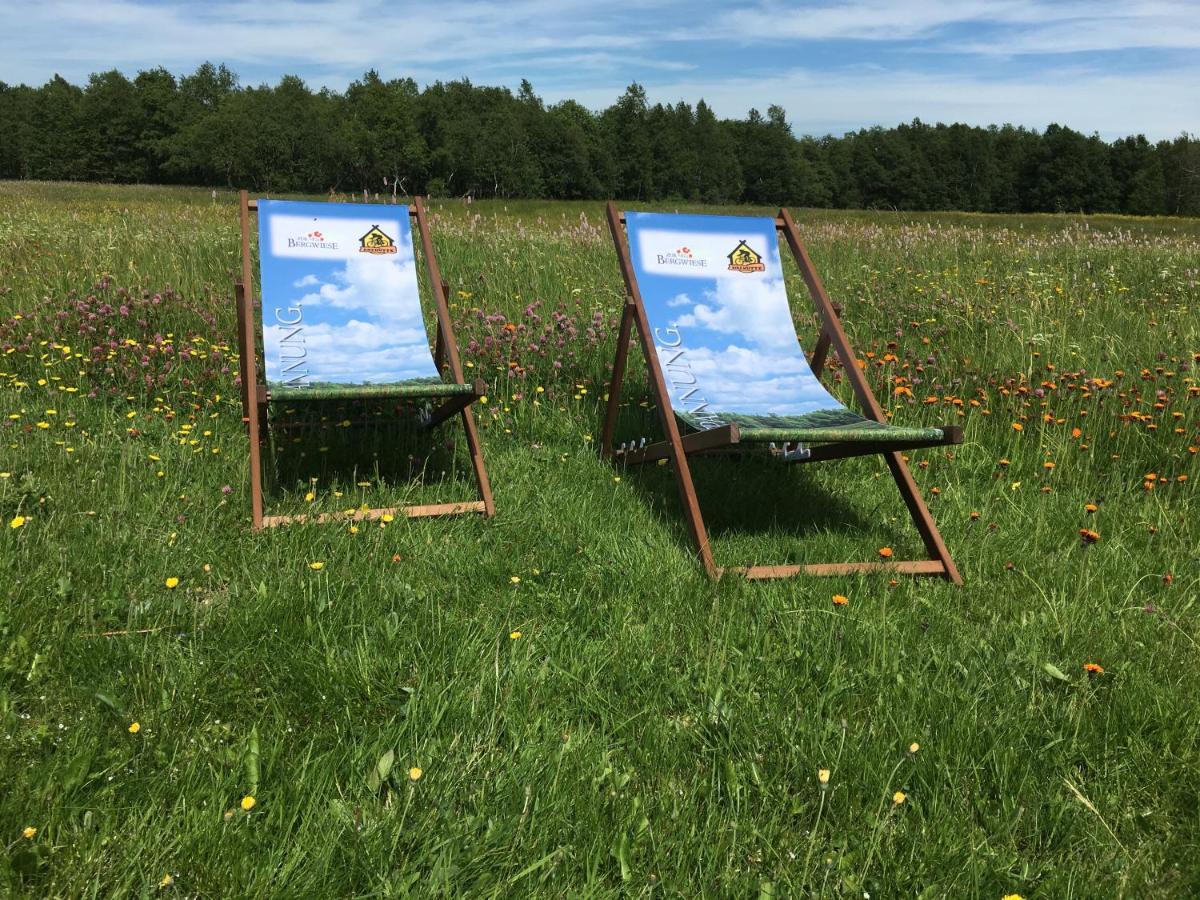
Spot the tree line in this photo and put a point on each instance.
(461, 139)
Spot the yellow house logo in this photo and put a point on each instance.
(744, 259)
(375, 241)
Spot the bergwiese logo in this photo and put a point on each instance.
(314, 240)
(681, 256)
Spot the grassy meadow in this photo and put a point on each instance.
(556, 702)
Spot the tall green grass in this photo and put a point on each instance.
(588, 714)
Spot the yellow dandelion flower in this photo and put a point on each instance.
(823, 776)
(167, 880)
(134, 728)
(415, 773)
(387, 517)
(914, 747)
(29, 833)
(309, 497)
(515, 579)
(514, 635)
(248, 803)
(899, 797)
(17, 521)
(171, 583)
(316, 566)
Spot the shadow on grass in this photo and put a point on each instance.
(352, 442)
(750, 495)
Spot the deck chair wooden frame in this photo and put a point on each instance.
(256, 397)
(727, 439)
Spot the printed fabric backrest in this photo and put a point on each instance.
(715, 297)
(340, 300)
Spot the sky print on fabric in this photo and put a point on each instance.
(340, 296)
(715, 297)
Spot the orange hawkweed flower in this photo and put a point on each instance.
(885, 552)
(1088, 536)
(1093, 668)
(1017, 426)
(840, 600)
(1091, 507)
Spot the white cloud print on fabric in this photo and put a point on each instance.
(762, 370)
(382, 340)
(382, 289)
(365, 353)
(749, 308)
(757, 383)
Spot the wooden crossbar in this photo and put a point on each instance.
(409, 512)
(696, 442)
(899, 567)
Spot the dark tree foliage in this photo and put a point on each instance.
(461, 139)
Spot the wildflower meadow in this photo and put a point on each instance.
(557, 702)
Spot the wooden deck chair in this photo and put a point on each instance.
(341, 318)
(707, 296)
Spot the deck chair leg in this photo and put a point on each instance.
(439, 349)
(691, 507)
(618, 378)
(481, 475)
(932, 538)
(450, 349)
(677, 453)
(821, 351)
(832, 327)
(249, 371)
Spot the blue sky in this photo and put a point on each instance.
(725, 339)
(331, 312)
(1115, 68)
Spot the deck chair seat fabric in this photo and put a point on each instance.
(715, 299)
(341, 309)
(415, 390)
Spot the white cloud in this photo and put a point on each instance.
(679, 300)
(306, 281)
(81, 36)
(1081, 63)
(1159, 104)
(1021, 26)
